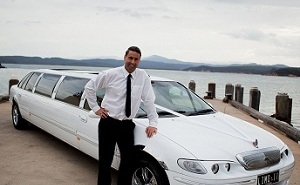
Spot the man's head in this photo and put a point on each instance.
(132, 58)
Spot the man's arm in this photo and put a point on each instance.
(91, 96)
(148, 98)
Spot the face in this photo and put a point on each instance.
(132, 60)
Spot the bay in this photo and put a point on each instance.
(269, 86)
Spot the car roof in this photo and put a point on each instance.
(85, 74)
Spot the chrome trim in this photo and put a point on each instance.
(257, 159)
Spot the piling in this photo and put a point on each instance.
(211, 93)
(192, 86)
(228, 92)
(254, 99)
(283, 108)
(4, 98)
(212, 88)
(11, 83)
(239, 93)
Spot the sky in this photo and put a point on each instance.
(211, 31)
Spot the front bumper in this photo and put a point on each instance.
(181, 179)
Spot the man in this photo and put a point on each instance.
(117, 110)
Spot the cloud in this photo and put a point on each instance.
(193, 30)
(138, 12)
(249, 34)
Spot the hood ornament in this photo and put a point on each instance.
(255, 143)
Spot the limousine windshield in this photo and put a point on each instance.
(175, 97)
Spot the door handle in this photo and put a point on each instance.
(83, 118)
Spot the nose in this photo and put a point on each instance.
(133, 61)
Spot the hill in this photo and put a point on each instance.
(158, 62)
(293, 72)
(89, 62)
(275, 70)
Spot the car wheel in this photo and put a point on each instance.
(18, 122)
(148, 173)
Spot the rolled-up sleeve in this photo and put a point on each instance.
(90, 91)
(148, 98)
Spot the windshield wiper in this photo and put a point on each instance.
(181, 111)
(163, 113)
(160, 113)
(200, 112)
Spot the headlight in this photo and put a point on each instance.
(192, 166)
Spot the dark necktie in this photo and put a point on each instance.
(128, 97)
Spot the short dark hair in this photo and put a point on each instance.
(135, 49)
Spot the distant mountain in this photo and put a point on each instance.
(90, 62)
(276, 70)
(158, 62)
(290, 71)
(157, 58)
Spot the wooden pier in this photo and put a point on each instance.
(34, 157)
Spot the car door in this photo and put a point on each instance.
(24, 95)
(87, 130)
(68, 114)
(41, 105)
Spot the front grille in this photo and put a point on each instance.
(257, 159)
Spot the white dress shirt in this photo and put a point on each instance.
(114, 82)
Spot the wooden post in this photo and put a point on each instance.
(11, 83)
(211, 93)
(239, 93)
(228, 92)
(254, 99)
(212, 88)
(192, 86)
(283, 108)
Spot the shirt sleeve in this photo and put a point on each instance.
(148, 98)
(91, 91)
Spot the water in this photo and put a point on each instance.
(269, 86)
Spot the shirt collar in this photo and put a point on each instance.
(125, 72)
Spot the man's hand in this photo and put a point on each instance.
(150, 131)
(102, 112)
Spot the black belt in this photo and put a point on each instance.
(125, 120)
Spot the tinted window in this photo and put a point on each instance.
(46, 84)
(100, 96)
(31, 82)
(71, 89)
(24, 81)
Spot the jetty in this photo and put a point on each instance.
(46, 160)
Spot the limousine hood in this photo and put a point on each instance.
(216, 136)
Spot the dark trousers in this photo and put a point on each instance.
(112, 131)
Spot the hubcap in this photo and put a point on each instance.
(143, 176)
(15, 115)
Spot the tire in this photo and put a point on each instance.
(18, 122)
(148, 172)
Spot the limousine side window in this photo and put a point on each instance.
(71, 89)
(24, 80)
(31, 81)
(100, 95)
(46, 84)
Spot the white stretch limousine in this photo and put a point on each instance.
(194, 145)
